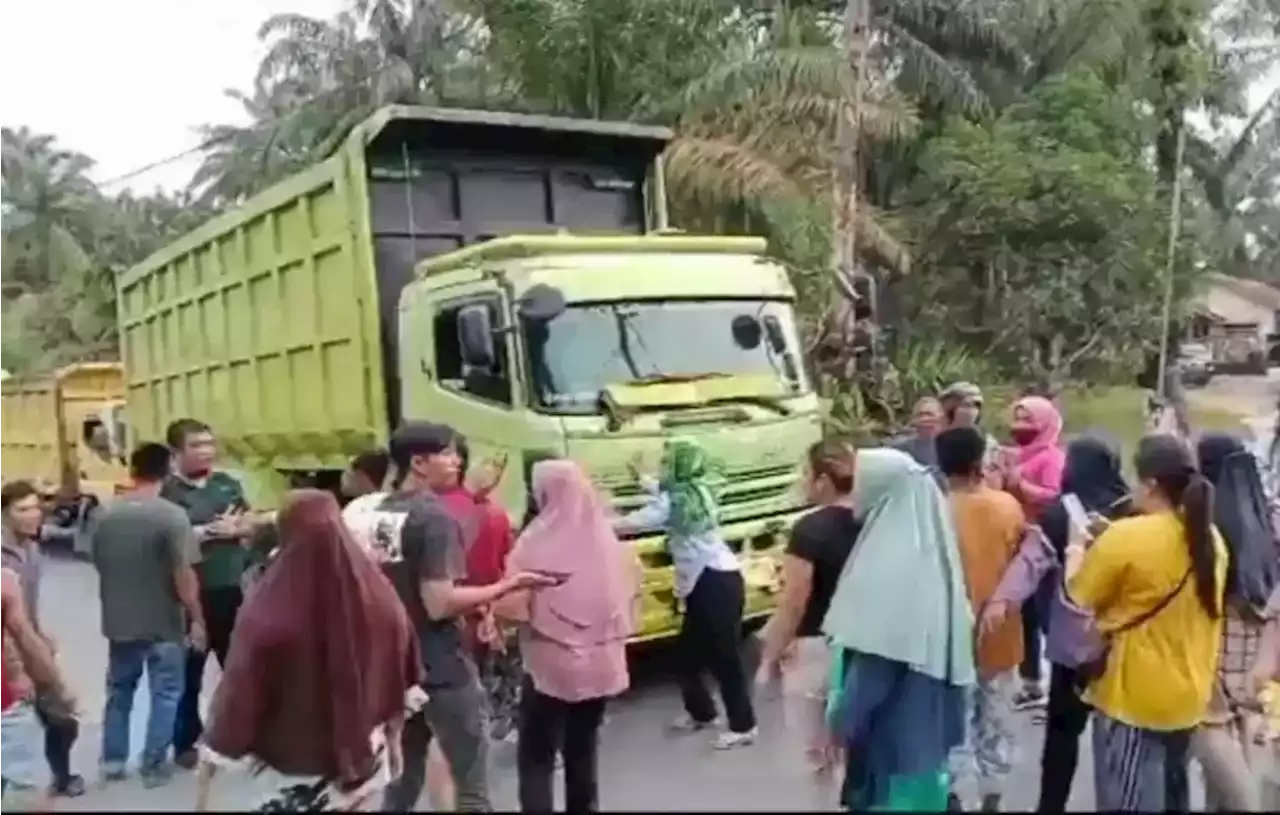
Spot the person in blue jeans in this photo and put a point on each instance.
(145, 549)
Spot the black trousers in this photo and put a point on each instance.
(220, 606)
(59, 737)
(710, 639)
(549, 726)
(1067, 716)
(1031, 642)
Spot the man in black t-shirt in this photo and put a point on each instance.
(421, 550)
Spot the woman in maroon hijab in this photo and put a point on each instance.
(322, 664)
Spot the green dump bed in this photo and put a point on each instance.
(276, 322)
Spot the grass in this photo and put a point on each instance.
(1121, 412)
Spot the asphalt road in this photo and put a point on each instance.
(641, 767)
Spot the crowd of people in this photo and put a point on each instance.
(374, 648)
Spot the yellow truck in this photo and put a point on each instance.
(512, 276)
(64, 432)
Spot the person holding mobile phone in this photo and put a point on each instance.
(1155, 584)
(423, 549)
(574, 633)
(1093, 476)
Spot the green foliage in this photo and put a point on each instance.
(1042, 232)
(1005, 181)
(64, 242)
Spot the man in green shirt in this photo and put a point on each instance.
(215, 504)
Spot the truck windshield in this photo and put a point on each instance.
(591, 346)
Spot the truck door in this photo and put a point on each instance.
(486, 406)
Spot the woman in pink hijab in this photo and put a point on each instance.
(1034, 476)
(573, 635)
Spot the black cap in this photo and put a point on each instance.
(419, 439)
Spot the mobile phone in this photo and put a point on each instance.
(1076, 514)
(558, 576)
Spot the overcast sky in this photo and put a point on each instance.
(128, 81)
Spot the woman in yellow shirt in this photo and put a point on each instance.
(1155, 585)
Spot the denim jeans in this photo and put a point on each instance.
(164, 663)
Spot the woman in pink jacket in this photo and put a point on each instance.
(1033, 474)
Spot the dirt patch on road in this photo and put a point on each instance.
(1252, 398)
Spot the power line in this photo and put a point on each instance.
(155, 165)
(214, 141)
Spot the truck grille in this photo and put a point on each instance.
(747, 489)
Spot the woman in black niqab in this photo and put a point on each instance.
(1243, 516)
(1093, 475)
(1223, 741)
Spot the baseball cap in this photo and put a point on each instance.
(419, 439)
(962, 391)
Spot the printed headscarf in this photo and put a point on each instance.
(902, 594)
(1242, 515)
(692, 485)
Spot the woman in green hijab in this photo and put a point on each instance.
(902, 634)
(683, 502)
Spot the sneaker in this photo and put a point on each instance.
(685, 723)
(113, 772)
(187, 759)
(730, 739)
(70, 787)
(1029, 699)
(157, 776)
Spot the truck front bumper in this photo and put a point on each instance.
(759, 544)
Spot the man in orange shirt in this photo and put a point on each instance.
(989, 528)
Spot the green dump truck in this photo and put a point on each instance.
(508, 275)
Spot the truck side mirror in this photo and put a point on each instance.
(541, 303)
(475, 336)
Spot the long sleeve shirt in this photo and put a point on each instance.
(690, 554)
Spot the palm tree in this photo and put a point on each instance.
(240, 160)
(320, 77)
(46, 191)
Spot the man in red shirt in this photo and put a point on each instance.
(488, 536)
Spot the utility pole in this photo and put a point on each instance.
(854, 315)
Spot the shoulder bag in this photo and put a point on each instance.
(1091, 670)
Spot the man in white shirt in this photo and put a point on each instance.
(364, 483)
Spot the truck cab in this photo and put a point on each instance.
(510, 275)
(602, 348)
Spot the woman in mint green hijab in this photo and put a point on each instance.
(683, 502)
(902, 638)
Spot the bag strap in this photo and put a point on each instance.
(1148, 615)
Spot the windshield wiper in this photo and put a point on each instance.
(663, 379)
(771, 402)
(774, 403)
